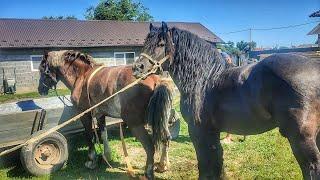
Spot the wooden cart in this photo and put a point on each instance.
(21, 120)
(24, 119)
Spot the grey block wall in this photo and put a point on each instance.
(27, 80)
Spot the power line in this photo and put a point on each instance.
(273, 28)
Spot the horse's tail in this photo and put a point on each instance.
(158, 114)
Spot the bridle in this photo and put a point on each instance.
(156, 65)
(48, 74)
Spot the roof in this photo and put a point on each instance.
(40, 33)
(315, 30)
(315, 14)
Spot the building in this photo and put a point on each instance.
(316, 30)
(23, 42)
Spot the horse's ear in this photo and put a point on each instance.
(164, 27)
(152, 28)
(45, 54)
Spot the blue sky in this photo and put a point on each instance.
(220, 16)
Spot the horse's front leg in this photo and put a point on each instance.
(92, 155)
(208, 149)
(142, 135)
(163, 165)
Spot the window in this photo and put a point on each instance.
(123, 58)
(35, 62)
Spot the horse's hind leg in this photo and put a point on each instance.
(92, 155)
(163, 165)
(303, 141)
(142, 135)
(104, 137)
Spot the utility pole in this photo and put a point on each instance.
(250, 41)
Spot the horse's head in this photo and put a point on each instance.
(56, 65)
(158, 44)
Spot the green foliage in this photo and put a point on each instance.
(59, 17)
(122, 10)
(229, 48)
(31, 95)
(245, 47)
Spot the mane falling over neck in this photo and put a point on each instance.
(194, 61)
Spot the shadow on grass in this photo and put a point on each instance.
(182, 139)
(74, 168)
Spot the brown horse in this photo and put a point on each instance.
(281, 91)
(147, 102)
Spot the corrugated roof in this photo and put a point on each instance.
(34, 33)
(315, 30)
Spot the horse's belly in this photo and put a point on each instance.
(243, 120)
(112, 108)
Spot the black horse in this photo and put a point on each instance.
(280, 91)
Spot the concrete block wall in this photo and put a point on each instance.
(26, 79)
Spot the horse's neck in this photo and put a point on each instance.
(74, 82)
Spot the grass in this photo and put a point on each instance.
(264, 156)
(31, 95)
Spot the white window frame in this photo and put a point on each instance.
(31, 62)
(124, 55)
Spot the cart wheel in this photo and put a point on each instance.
(46, 155)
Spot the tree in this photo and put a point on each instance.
(229, 48)
(59, 17)
(246, 46)
(122, 10)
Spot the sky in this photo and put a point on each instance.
(219, 16)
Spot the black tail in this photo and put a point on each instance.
(158, 114)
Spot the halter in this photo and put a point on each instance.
(156, 65)
(47, 73)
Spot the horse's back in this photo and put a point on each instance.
(264, 92)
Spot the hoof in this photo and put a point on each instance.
(160, 168)
(90, 165)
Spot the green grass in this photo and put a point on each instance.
(264, 156)
(32, 95)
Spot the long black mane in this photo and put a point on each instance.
(195, 60)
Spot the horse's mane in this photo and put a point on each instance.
(57, 58)
(194, 61)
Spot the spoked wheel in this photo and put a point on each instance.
(46, 155)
